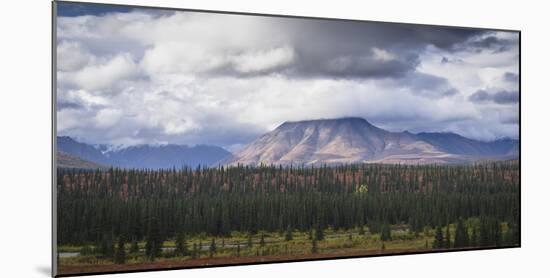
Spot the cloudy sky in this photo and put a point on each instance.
(132, 76)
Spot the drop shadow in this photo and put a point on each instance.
(45, 270)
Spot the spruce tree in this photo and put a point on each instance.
(181, 245)
(288, 234)
(497, 233)
(314, 246)
(195, 253)
(107, 247)
(212, 248)
(120, 256)
(512, 234)
(319, 233)
(447, 242)
(438, 241)
(153, 246)
(474, 240)
(386, 233)
(461, 235)
(485, 237)
(249, 243)
(135, 247)
(262, 240)
(361, 230)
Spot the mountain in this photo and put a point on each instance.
(354, 140)
(456, 144)
(65, 160)
(84, 151)
(143, 156)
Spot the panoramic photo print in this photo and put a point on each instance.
(190, 139)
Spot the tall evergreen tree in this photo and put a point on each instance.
(438, 241)
(474, 240)
(195, 253)
(319, 233)
(288, 234)
(447, 243)
(135, 247)
(262, 240)
(153, 246)
(107, 247)
(461, 235)
(212, 248)
(386, 232)
(361, 230)
(249, 243)
(120, 256)
(181, 245)
(314, 246)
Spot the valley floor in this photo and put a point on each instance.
(336, 244)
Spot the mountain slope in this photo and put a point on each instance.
(354, 140)
(454, 143)
(84, 151)
(65, 160)
(143, 156)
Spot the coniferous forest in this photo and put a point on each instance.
(226, 215)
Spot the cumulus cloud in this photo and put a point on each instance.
(103, 75)
(138, 76)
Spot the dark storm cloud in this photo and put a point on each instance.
(342, 50)
(511, 77)
(68, 105)
(510, 120)
(428, 85)
(480, 96)
(487, 42)
(336, 49)
(361, 65)
(78, 9)
(501, 97)
(506, 97)
(97, 9)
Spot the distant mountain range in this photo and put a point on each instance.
(354, 140)
(140, 156)
(312, 142)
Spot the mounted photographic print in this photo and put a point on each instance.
(190, 138)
